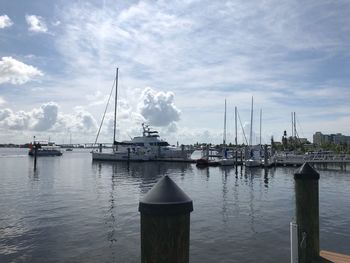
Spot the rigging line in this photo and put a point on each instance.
(242, 127)
(104, 114)
(302, 132)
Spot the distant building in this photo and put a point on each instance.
(338, 138)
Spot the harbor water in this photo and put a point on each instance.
(74, 210)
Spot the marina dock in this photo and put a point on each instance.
(327, 257)
(296, 160)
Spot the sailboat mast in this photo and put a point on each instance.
(295, 127)
(260, 124)
(236, 125)
(115, 106)
(224, 139)
(292, 125)
(251, 125)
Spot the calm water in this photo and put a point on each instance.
(75, 210)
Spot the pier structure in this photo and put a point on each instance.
(295, 160)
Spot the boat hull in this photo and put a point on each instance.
(118, 156)
(144, 154)
(252, 163)
(226, 162)
(45, 153)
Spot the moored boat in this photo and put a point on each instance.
(148, 147)
(44, 148)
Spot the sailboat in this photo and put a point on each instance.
(253, 158)
(225, 161)
(148, 147)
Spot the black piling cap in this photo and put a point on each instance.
(306, 171)
(166, 198)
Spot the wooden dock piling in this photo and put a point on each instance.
(307, 213)
(165, 223)
(266, 155)
(35, 154)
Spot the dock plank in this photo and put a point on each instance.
(328, 256)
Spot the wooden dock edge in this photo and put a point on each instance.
(332, 257)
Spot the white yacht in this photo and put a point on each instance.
(148, 147)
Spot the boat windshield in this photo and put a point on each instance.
(163, 144)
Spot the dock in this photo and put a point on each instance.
(327, 257)
(296, 160)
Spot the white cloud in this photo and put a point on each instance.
(48, 118)
(45, 117)
(79, 120)
(158, 108)
(16, 72)
(5, 21)
(15, 120)
(4, 113)
(36, 23)
(2, 101)
(56, 23)
(97, 98)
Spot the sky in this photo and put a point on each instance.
(178, 61)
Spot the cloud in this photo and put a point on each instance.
(4, 113)
(5, 21)
(79, 120)
(14, 120)
(45, 117)
(36, 24)
(56, 23)
(16, 72)
(97, 98)
(158, 108)
(2, 101)
(84, 121)
(48, 118)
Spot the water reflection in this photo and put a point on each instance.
(33, 174)
(266, 178)
(145, 173)
(225, 205)
(112, 222)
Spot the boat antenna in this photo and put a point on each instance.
(104, 114)
(115, 105)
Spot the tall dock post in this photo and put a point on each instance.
(165, 223)
(100, 147)
(35, 154)
(307, 213)
(236, 159)
(266, 155)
